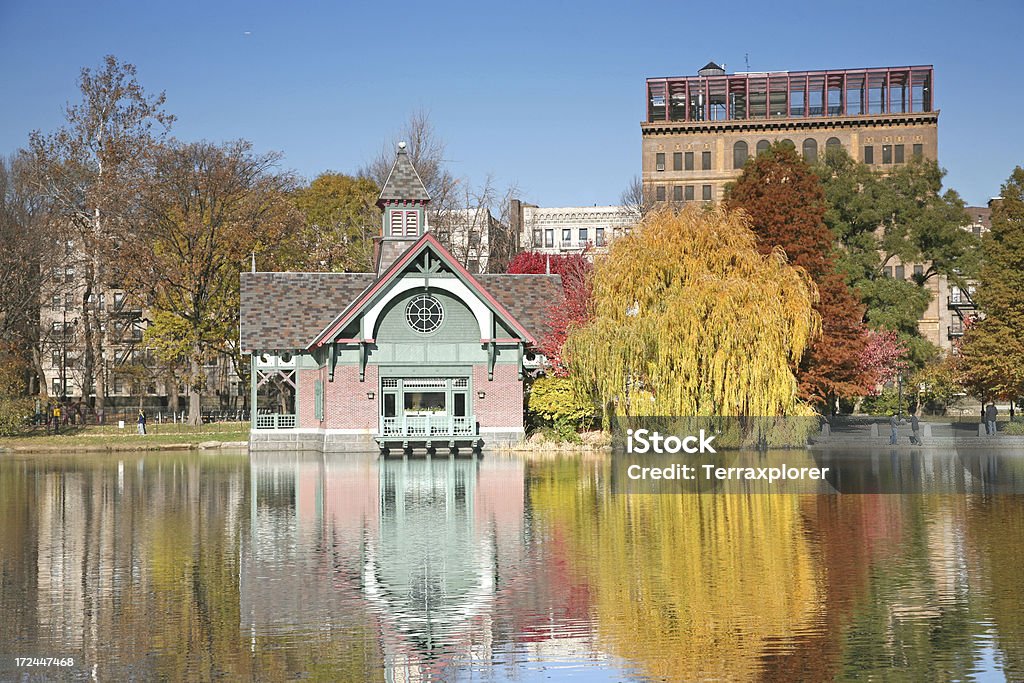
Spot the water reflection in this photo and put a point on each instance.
(194, 567)
(434, 553)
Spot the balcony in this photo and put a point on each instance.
(956, 330)
(424, 427)
(961, 301)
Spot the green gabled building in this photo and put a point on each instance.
(418, 354)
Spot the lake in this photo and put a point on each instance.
(189, 566)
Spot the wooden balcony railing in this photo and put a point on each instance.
(428, 426)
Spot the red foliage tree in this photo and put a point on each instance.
(883, 357)
(786, 204)
(573, 310)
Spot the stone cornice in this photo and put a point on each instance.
(765, 125)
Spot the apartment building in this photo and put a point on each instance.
(699, 130)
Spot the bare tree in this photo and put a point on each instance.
(461, 215)
(636, 199)
(426, 151)
(504, 243)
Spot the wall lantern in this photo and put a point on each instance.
(370, 395)
(481, 395)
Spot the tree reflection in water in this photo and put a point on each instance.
(196, 566)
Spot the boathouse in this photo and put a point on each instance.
(420, 353)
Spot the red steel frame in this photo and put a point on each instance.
(702, 84)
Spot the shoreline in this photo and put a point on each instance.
(205, 445)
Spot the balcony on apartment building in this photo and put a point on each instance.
(961, 299)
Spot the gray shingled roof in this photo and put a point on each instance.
(527, 297)
(403, 182)
(288, 310)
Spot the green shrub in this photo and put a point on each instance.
(561, 432)
(885, 403)
(13, 414)
(554, 403)
(1013, 429)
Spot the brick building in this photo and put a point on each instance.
(419, 353)
(699, 130)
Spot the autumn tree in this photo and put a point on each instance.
(786, 205)
(901, 216)
(341, 220)
(205, 210)
(90, 172)
(32, 248)
(690, 318)
(573, 311)
(992, 350)
(883, 357)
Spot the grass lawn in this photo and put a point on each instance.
(109, 436)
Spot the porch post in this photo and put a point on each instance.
(252, 390)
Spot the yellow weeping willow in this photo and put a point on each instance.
(689, 319)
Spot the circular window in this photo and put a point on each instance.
(424, 313)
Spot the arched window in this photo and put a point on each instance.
(787, 141)
(739, 154)
(763, 145)
(833, 143)
(810, 150)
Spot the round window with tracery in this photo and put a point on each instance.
(424, 313)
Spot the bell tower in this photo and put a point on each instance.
(403, 199)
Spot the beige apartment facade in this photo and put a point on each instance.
(700, 130)
(569, 229)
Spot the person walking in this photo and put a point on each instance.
(56, 418)
(915, 427)
(991, 413)
(894, 425)
(142, 422)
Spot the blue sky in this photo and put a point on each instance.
(547, 95)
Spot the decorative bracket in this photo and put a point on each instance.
(333, 360)
(492, 353)
(362, 361)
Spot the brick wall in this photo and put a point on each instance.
(307, 398)
(345, 402)
(502, 405)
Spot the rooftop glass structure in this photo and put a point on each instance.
(714, 95)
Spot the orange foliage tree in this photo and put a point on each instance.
(787, 206)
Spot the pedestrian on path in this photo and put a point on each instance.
(142, 422)
(894, 424)
(915, 427)
(991, 413)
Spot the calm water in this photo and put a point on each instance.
(196, 567)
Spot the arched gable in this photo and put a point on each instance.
(453, 287)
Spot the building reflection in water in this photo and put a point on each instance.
(430, 552)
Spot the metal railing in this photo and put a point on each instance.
(428, 426)
(275, 421)
(961, 300)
